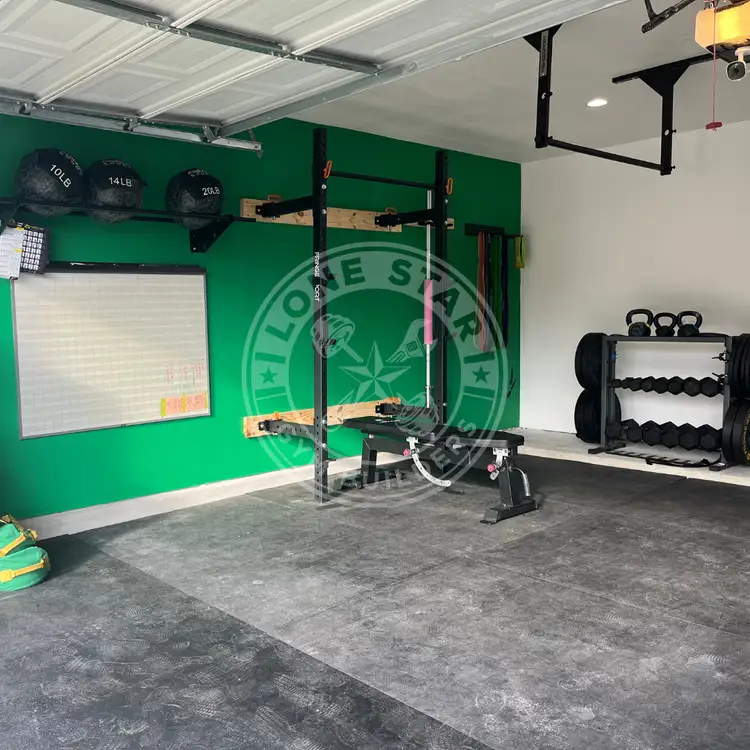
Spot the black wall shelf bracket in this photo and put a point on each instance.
(201, 240)
(661, 79)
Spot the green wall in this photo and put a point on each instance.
(52, 474)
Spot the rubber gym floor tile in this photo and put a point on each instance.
(443, 520)
(262, 562)
(585, 484)
(524, 664)
(107, 658)
(688, 573)
(711, 506)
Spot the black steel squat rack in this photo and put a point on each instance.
(608, 412)
(437, 217)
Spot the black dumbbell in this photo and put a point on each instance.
(624, 383)
(647, 384)
(661, 385)
(711, 387)
(651, 433)
(691, 387)
(633, 433)
(688, 437)
(635, 384)
(670, 435)
(709, 438)
(614, 430)
(675, 386)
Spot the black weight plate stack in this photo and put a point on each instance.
(588, 415)
(195, 192)
(727, 432)
(589, 360)
(49, 174)
(735, 433)
(739, 369)
(114, 184)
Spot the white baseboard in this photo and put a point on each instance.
(109, 514)
(538, 443)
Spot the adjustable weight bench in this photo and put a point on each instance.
(418, 437)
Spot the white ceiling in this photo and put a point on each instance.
(485, 104)
(54, 53)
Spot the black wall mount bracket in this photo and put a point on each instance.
(201, 240)
(661, 79)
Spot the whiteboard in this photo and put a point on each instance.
(99, 349)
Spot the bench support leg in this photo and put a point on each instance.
(510, 503)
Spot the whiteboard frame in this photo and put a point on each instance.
(124, 268)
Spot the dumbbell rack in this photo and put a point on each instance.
(609, 373)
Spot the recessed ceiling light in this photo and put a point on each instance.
(598, 102)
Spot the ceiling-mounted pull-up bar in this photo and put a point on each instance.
(661, 79)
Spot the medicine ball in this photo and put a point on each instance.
(195, 192)
(49, 175)
(115, 184)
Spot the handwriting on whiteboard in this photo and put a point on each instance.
(186, 376)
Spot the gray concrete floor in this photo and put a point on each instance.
(616, 617)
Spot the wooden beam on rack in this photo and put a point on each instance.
(338, 218)
(336, 415)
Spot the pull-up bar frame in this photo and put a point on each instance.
(661, 79)
(437, 217)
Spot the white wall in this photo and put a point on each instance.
(604, 238)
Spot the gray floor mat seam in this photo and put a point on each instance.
(305, 653)
(599, 595)
(664, 521)
(130, 572)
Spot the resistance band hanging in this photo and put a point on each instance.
(484, 338)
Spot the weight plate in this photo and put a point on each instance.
(578, 365)
(739, 434)
(736, 433)
(744, 373)
(735, 366)
(727, 431)
(742, 376)
(588, 360)
(588, 415)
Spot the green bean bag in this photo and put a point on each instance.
(23, 569)
(13, 537)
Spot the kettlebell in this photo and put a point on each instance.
(689, 329)
(641, 328)
(665, 331)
